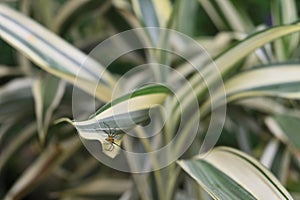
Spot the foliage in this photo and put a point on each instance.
(257, 57)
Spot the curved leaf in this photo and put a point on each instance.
(226, 60)
(122, 113)
(226, 173)
(42, 167)
(53, 54)
(15, 96)
(48, 91)
(286, 128)
(72, 10)
(280, 81)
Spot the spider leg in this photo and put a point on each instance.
(116, 144)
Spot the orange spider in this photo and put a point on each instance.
(111, 137)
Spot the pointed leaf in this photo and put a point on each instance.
(226, 173)
(277, 81)
(15, 96)
(53, 54)
(123, 112)
(48, 91)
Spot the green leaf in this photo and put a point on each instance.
(286, 128)
(214, 15)
(9, 71)
(42, 167)
(228, 15)
(226, 173)
(277, 81)
(122, 113)
(15, 96)
(48, 92)
(285, 12)
(12, 146)
(226, 60)
(71, 11)
(145, 10)
(187, 11)
(98, 186)
(276, 157)
(152, 13)
(53, 54)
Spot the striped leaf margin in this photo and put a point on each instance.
(226, 173)
(272, 81)
(53, 54)
(122, 113)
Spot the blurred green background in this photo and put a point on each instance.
(61, 168)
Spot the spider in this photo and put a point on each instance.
(111, 137)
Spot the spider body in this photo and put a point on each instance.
(111, 137)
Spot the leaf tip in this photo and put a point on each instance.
(61, 120)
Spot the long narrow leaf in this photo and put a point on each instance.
(72, 10)
(41, 168)
(286, 128)
(122, 113)
(48, 91)
(226, 173)
(15, 96)
(226, 60)
(279, 80)
(53, 54)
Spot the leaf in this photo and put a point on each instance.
(48, 92)
(286, 128)
(145, 10)
(9, 71)
(71, 11)
(267, 105)
(234, 16)
(123, 112)
(280, 81)
(187, 11)
(53, 54)
(15, 144)
(225, 61)
(277, 81)
(285, 12)
(214, 15)
(148, 12)
(163, 9)
(15, 96)
(42, 167)
(212, 72)
(226, 173)
(98, 186)
(276, 157)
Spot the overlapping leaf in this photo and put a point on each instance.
(226, 173)
(48, 91)
(122, 113)
(53, 54)
(277, 81)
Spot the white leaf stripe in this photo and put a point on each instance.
(263, 77)
(234, 166)
(264, 81)
(226, 60)
(277, 188)
(147, 90)
(214, 181)
(23, 30)
(124, 112)
(47, 92)
(116, 121)
(50, 52)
